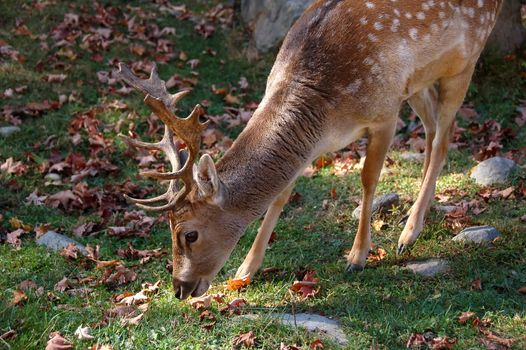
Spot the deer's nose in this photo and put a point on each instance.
(183, 289)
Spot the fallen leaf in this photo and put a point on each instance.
(522, 290)
(13, 238)
(83, 333)
(10, 334)
(377, 255)
(122, 275)
(465, 316)
(62, 285)
(508, 342)
(200, 303)
(58, 342)
(236, 284)
(132, 320)
(317, 344)
(306, 287)
(19, 297)
(70, 251)
(246, 339)
(120, 311)
(476, 284)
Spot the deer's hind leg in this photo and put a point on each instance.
(424, 103)
(451, 93)
(255, 256)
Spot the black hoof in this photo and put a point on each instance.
(352, 268)
(401, 249)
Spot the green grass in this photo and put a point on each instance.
(378, 308)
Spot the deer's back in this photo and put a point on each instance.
(382, 51)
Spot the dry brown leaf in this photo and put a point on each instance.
(236, 284)
(317, 344)
(58, 342)
(465, 316)
(200, 303)
(306, 287)
(62, 285)
(476, 284)
(71, 251)
(522, 290)
(377, 255)
(246, 339)
(132, 320)
(508, 342)
(19, 297)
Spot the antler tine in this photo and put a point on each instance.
(188, 130)
(153, 86)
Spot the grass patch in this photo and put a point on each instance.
(378, 308)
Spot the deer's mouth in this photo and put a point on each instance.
(184, 289)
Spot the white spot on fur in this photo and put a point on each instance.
(369, 5)
(441, 15)
(373, 38)
(408, 15)
(354, 87)
(413, 33)
(396, 12)
(443, 4)
(368, 61)
(434, 28)
(425, 6)
(480, 3)
(378, 26)
(395, 25)
(420, 15)
(427, 37)
(363, 20)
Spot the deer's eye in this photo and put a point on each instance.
(191, 236)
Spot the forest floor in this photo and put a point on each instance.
(66, 170)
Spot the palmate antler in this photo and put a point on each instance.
(189, 129)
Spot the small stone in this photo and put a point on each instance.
(57, 242)
(493, 170)
(412, 156)
(428, 268)
(380, 204)
(312, 322)
(9, 130)
(444, 208)
(316, 323)
(477, 234)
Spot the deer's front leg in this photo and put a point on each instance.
(379, 142)
(255, 256)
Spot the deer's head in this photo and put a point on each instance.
(203, 232)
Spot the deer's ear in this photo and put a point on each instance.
(205, 176)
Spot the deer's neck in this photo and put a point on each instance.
(268, 155)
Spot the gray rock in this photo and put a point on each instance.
(312, 322)
(8, 130)
(316, 323)
(271, 19)
(412, 156)
(428, 268)
(492, 171)
(57, 242)
(380, 204)
(477, 234)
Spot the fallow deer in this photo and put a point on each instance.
(344, 70)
